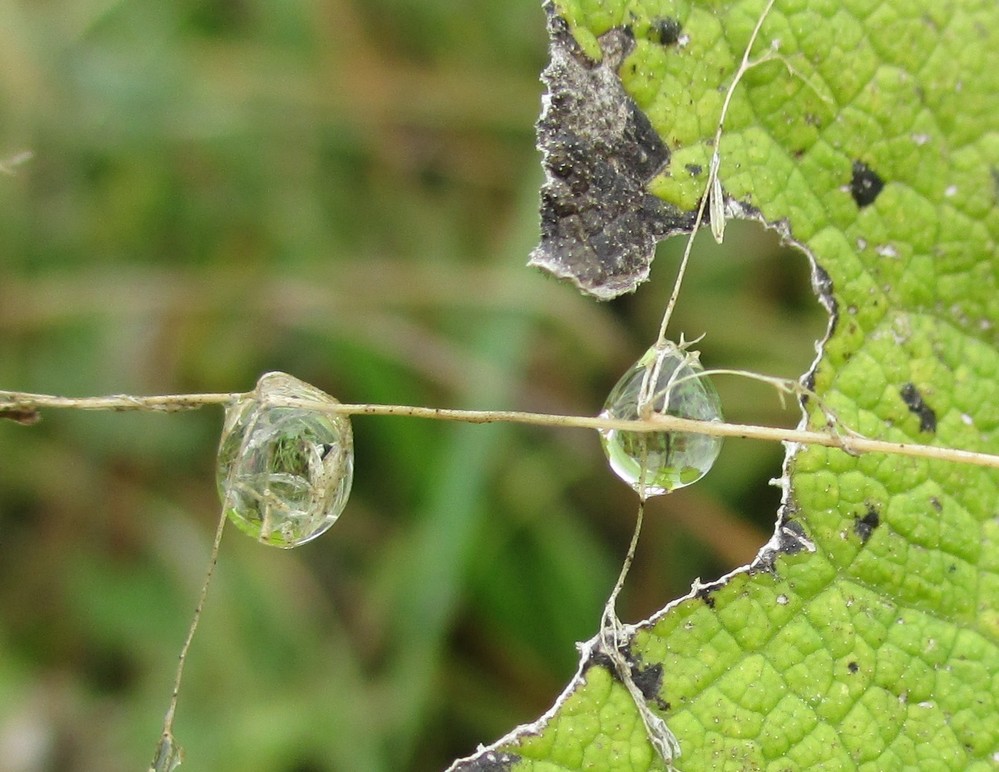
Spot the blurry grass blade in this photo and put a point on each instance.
(9, 165)
(441, 549)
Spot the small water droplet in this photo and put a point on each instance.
(284, 469)
(654, 463)
(168, 755)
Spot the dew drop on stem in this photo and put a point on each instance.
(285, 465)
(667, 380)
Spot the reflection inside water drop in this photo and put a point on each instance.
(668, 380)
(284, 470)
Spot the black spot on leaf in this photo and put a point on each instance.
(865, 184)
(598, 658)
(809, 383)
(853, 667)
(665, 31)
(864, 526)
(704, 593)
(694, 169)
(916, 404)
(823, 284)
(599, 223)
(792, 537)
(649, 680)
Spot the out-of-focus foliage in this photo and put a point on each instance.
(345, 191)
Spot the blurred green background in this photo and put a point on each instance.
(346, 191)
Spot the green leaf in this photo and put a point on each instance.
(866, 632)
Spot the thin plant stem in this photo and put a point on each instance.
(713, 186)
(16, 401)
(612, 633)
(166, 739)
(14, 404)
(611, 620)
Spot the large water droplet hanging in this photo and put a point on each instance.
(667, 380)
(284, 468)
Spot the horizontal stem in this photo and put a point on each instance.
(22, 402)
(660, 422)
(18, 404)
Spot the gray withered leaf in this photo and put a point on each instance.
(599, 223)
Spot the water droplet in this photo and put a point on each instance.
(669, 380)
(284, 469)
(168, 755)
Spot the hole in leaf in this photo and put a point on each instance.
(752, 298)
